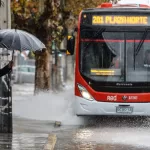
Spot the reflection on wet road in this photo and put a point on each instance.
(107, 133)
(97, 133)
(24, 141)
(91, 133)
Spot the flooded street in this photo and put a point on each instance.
(33, 122)
(97, 133)
(24, 141)
(107, 133)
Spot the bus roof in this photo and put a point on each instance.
(131, 6)
(143, 8)
(124, 5)
(147, 2)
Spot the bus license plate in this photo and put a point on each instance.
(124, 110)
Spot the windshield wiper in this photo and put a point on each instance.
(95, 35)
(141, 42)
(134, 54)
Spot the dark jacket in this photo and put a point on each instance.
(5, 70)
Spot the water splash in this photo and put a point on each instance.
(47, 107)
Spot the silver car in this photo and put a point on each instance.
(23, 74)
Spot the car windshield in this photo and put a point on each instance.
(26, 69)
(31, 69)
(23, 69)
(112, 55)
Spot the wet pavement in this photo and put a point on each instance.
(107, 134)
(67, 141)
(97, 133)
(74, 133)
(23, 141)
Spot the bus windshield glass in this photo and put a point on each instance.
(115, 54)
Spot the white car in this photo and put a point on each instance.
(23, 74)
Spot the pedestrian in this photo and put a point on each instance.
(5, 70)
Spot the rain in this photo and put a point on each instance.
(74, 82)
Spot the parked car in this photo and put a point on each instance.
(23, 74)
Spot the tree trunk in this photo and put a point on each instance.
(42, 74)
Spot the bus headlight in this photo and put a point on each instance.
(85, 94)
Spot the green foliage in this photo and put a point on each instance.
(45, 25)
(31, 55)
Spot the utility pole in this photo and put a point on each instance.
(5, 14)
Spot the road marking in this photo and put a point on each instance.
(50, 145)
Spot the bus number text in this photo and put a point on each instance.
(112, 98)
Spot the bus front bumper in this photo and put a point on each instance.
(86, 107)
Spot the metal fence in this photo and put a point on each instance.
(5, 97)
(5, 81)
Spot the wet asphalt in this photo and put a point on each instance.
(107, 133)
(23, 141)
(97, 133)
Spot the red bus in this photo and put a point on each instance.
(112, 74)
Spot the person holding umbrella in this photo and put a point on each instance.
(13, 39)
(6, 69)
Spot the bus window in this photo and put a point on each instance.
(114, 51)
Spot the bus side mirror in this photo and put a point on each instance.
(71, 44)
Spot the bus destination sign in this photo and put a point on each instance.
(105, 72)
(120, 20)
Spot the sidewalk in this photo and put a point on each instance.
(28, 89)
(23, 95)
(27, 141)
(22, 89)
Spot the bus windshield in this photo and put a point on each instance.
(111, 55)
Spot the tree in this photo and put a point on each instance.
(74, 7)
(45, 25)
(43, 19)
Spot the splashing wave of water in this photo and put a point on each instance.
(47, 106)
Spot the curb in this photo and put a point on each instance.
(50, 145)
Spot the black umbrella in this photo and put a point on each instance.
(14, 39)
